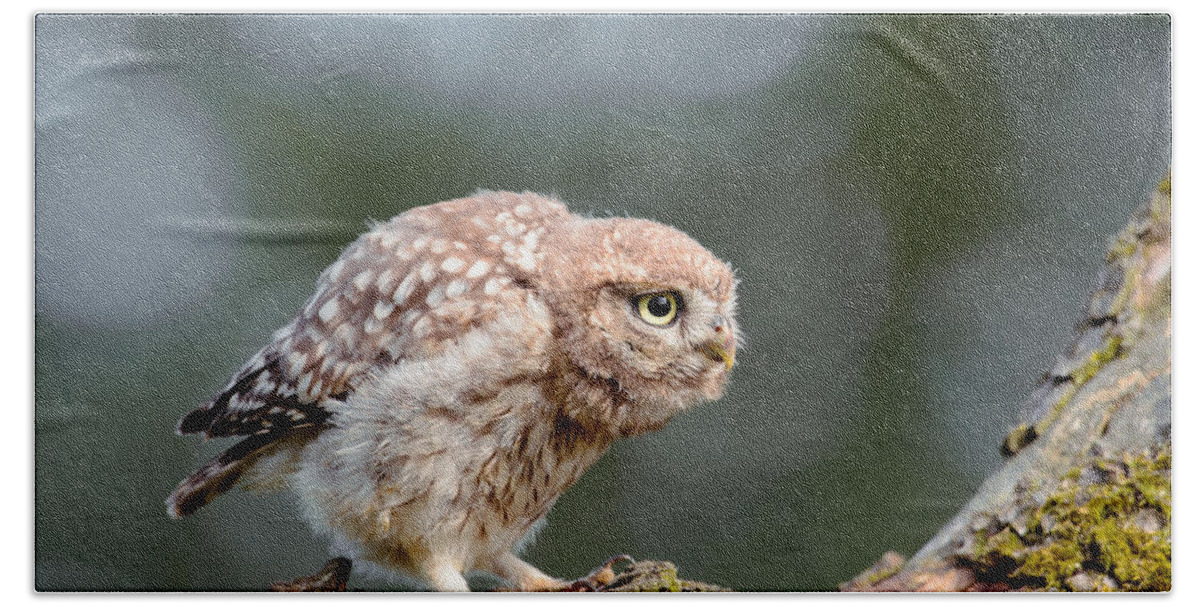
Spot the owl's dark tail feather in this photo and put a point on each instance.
(218, 475)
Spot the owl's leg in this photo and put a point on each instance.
(525, 576)
(444, 576)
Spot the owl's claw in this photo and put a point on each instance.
(599, 578)
(332, 577)
(581, 584)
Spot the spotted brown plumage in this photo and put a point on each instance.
(461, 365)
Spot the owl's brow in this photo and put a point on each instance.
(641, 288)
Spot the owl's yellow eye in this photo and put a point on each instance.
(657, 308)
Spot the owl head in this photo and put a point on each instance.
(646, 315)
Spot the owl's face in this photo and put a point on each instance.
(665, 332)
(653, 316)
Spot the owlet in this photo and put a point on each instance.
(458, 368)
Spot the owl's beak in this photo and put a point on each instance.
(722, 348)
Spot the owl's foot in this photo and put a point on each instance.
(600, 578)
(332, 577)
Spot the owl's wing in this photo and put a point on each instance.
(318, 356)
(265, 397)
(350, 327)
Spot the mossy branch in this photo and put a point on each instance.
(1084, 500)
(635, 576)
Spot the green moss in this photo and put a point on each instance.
(883, 573)
(1053, 563)
(1097, 360)
(1160, 207)
(655, 577)
(1121, 248)
(1118, 527)
(1004, 542)
(1080, 376)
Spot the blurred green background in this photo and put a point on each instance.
(915, 205)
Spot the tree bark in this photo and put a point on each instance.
(1083, 501)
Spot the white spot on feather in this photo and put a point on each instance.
(495, 284)
(478, 269)
(526, 260)
(427, 272)
(422, 327)
(514, 228)
(453, 264)
(296, 363)
(362, 279)
(405, 289)
(329, 310)
(387, 240)
(385, 279)
(264, 384)
(436, 296)
(531, 239)
(383, 308)
(303, 385)
(456, 288)
(373, 325)
(283, 331)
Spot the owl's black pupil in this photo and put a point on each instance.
(659, 306)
